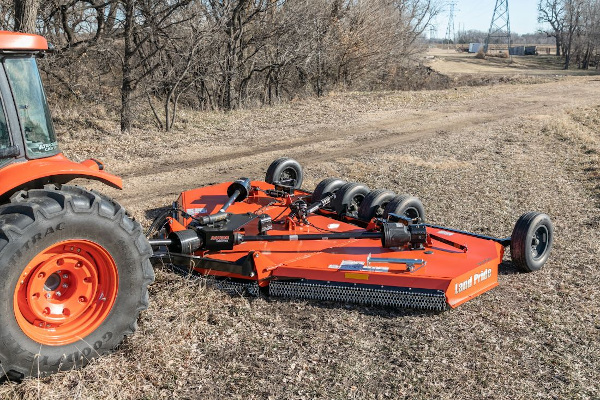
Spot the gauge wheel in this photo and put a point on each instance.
(283, 170)
(406, 205)
(531, 241)
(349, 197)
(325, 188)
(374, 204)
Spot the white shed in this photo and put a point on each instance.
(474, 47)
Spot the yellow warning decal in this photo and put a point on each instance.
(354, 275)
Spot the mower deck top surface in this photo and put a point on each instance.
(458, 265)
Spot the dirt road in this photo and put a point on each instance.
(362, 131)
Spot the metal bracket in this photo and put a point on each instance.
(410, 262)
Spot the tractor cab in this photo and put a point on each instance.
(29, 153)
(26, 130)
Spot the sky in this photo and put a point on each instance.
(477, 14)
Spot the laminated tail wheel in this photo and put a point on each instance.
(284, 170)
(406, 205)
(374, 204)
(349, 197)
(531, 241)
(326, 187)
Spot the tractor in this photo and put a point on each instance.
(74, 266)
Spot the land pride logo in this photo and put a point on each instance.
(473, 280)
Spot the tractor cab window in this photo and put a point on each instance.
(34, 114)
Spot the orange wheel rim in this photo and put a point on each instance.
(66, 292)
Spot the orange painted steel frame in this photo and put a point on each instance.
(54, 169)
(461, 275)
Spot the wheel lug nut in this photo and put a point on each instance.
(58, 294)
(65, 285)
(65, 276)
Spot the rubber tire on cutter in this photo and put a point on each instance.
(41, 219)
(326, 187)
(374, 204)
(349, 198)
(531, 241)
(407, 205)
(285, 168)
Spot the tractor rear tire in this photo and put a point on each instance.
(283, 169)
(406, 205)
(374, 204)
(74, 276)
(531, 241)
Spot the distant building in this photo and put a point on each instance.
(517, 51)
(474, 47)
(523, 51)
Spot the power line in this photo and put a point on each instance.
(450, 33)
(431, 32)
(500, 25)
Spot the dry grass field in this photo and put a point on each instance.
(477, 156)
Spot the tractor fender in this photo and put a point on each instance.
(56, 169)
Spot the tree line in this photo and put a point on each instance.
(158, 55)
(477, 36)
(575, 25)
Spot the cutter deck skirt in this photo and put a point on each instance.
(369, 295)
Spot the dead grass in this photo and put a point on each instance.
(535, 336)
(454, 64)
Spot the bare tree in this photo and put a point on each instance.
(144, 20)
(552, 12)
(25, 15)
(151, 57)
(572, 26)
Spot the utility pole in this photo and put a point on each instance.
(500, 25)
(450, 34)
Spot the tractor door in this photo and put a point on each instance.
(7, 148)
(35, 123)
(10, 147)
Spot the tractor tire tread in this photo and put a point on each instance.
(24, 210)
